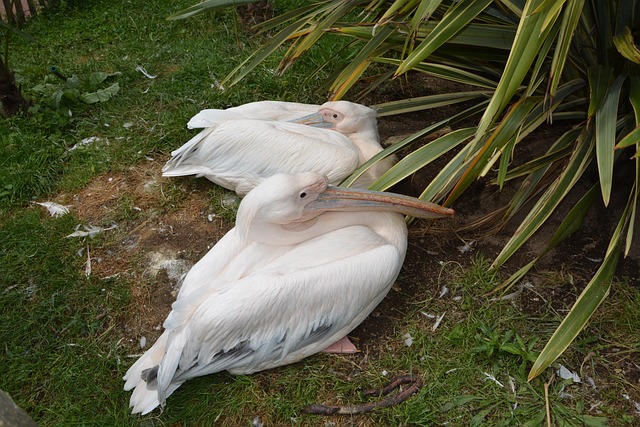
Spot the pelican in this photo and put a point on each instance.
(241, 146)
(299, 271)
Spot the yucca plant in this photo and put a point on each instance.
(527, 64)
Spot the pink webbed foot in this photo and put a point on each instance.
(344, 346)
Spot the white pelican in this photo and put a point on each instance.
(295, 275)
(241, 146)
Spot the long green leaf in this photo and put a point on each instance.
(570, 18)
(425, 102)
(538, 170)
(589, 300)
(447, 72)
(475, 34)
(451, 23)
(545, 206)
(634, 97)
(423, 156)
(470, 112)
(375, 47)
(442, 184)
(335, 10)
(571, 223)
(630, 139)
(599, 80)
(424, 11)
(507, 128)
(206, 6)
(606, 117)
(525, 47)
(257, 57)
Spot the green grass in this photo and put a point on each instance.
(62, 354)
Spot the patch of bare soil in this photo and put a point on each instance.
(159, 237)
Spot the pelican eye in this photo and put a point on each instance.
(335, 116)
(303, 195)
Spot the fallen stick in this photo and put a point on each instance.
(415, 384)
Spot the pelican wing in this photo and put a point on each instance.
(238, 154)
(275, 315)
(260, 110)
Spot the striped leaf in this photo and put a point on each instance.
(546, 205)
(456, 18)
(606, 118)
(423, 156)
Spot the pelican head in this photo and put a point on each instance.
(290, 204)
(342, 116)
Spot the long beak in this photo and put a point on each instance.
(351, 199)
(315, 120)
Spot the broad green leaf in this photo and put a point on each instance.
(606, 117)
(98, 77)
(589, 300)
(101, 95)
(625, 44)
(451, 23)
